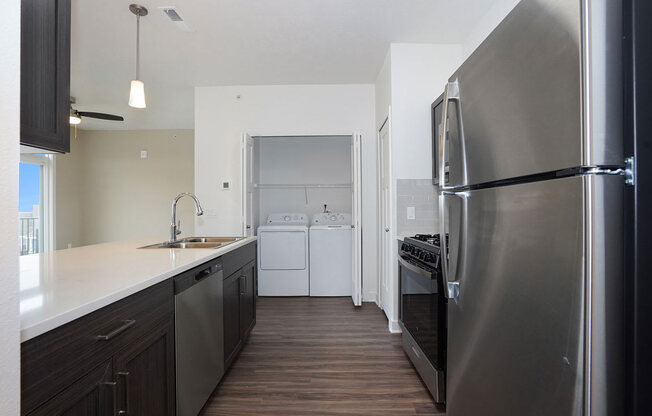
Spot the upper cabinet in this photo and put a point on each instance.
(45, 74)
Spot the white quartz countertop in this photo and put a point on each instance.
(61, 286)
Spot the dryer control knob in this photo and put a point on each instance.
(286, 218)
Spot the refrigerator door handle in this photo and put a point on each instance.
(451, 92)
(452, 264)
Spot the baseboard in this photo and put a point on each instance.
(370, 297)
(394, 327)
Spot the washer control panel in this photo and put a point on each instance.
(331, 218)
(288, 219)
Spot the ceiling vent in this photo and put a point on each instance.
(175, 17)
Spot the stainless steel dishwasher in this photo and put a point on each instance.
(199, 336)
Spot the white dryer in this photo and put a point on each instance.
(331, 255)
(283, 260)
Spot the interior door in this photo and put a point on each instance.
(385, 235)
(247, 185)
(356, 263)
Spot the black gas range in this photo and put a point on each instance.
(423, 305)
(424, 248)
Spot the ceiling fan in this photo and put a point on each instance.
(76, 116)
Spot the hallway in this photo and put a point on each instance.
(321, 356)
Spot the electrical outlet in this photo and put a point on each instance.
(226, 185)
(411, 213)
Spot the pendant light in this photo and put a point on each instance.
(137, 91)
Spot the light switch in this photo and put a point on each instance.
(143, 154)
(226, 186)
(411, 213)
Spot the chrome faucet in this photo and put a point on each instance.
(175, 227)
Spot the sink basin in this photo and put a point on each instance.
(221, 240)
(197, 242)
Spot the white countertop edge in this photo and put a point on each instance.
(53, 322)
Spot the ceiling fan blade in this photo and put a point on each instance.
(101, 116)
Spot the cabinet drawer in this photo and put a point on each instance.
(234, 260)
(56, 359)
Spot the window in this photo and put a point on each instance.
(35, 204)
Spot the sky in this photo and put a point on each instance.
(28, 186)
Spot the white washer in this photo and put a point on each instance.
(330, 255)
(283, 262)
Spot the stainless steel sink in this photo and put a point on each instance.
(197, 242)
(221, 240)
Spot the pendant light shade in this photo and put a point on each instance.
(137, 90)
(137, 94)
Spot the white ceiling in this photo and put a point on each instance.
(250, 42)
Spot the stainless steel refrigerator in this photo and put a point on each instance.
(531, 179)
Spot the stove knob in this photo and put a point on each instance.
(428, 258)
(422, 255)
(404, 247)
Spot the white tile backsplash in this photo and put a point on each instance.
(422, 195)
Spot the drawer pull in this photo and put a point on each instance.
(126, 325)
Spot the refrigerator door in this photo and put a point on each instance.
(525, 103)
(516, 326)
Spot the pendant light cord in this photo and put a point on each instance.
(138, 47)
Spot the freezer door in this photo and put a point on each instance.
(515, 336)
(525, 103)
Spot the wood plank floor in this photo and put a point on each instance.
(321, 356)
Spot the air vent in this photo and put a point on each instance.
(175, 17)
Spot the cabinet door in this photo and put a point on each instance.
(231, 318)
(94, 394)
(247, 299)
(145, 375)
(45, 74)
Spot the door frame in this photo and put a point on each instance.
(356, 142)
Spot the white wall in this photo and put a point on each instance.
(419, 73)
(487, 24)
(107, 192)
(223, 113)
(303, 160)
(383, 89)
(9, 158)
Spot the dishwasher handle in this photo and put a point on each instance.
(195, 276)
(205, 273)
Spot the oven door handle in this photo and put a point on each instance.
(411, 267)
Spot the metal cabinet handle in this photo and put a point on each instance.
(108, 385)
(243, 285)
(125, 376)
(126, 325)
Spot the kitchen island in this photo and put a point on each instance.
(98, 323)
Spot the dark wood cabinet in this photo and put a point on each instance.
(247, 299)
(92, 395)
(120, 359)
(232, 338)
(144, 373)
(45, 74)
(239, 299)
(135, 336)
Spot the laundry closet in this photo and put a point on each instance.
(301, 198)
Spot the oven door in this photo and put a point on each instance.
(423, 309)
